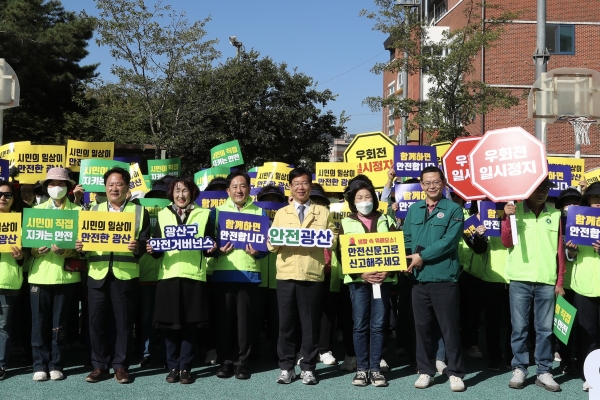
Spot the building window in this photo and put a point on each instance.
(391, 89)
(560, 39)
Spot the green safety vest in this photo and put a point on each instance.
(494, 261)
(585, 279)
(471, 262)
(149, 267)
(49, 269)
(125, 266)
(534, 258)
(11, 275)
(353, 226)
(189, 264)
(268, 271)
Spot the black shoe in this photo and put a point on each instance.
(226, 371)
(173, 376)
(567, 369)
(241, 373)
(185, 377)
(146, 362)
(494, 365)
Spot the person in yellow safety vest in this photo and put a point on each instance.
(235, 279)
(181, 293)
(51, 286)
(11, 275)
(113, 283)
(585, 281)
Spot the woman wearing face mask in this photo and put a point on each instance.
(11, 275)
(368, 313)
(51, 287)
(585, 281)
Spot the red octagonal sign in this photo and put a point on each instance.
(508, 164)
(456, 168)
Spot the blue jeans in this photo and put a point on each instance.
(7, 307)
(369, 323)
(147, 296)
(523, 296)
(440, 354)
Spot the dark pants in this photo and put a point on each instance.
(234, 321)
(299, 299)
(496, 308)
(405, 334)
(22, 320)
(345, 317)
(123, 304)
(588, 319)
(437, 300)
(328, 303)
(180, 346)
(50, 306)
(273, 322)
(471, 305)
(261, 313)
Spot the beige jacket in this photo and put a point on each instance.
(301, 263)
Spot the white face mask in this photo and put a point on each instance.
(364, 207)
(57, 192)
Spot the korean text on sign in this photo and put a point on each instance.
(334, 176)
(243, 229)
(274, 173)
(470, 226)
(372, 252)
(46, 227)
(411, 160)
(106, 231)
(181, 237)
(491, 215)
(77, 150)
(408, 194)
(10, 232)
(560, 175)
(564, 316)
(91, 173)
(577, 166)
(301, 237)
(159, 168)
(34, 161)
(505, 162)
(212, 199)
(583, 225)
(226, 154)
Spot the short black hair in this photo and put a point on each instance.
(430, 169)
(594, 187)
(118, 170)
(359, 185)
(299, 171)
(359, 177)
(216, 182)
(235, 174)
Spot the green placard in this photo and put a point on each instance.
(203, 178)
(154, 206)
(564, 317)
(159, 168)
(91, 173)
(148, 181)
(43, 227)
(226, 155)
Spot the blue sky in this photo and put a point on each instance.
(321, 38)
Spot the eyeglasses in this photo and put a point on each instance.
(433, 183)
(6, 195)
(298, 184)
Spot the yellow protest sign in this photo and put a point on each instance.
(274, 173)
(592, 176)
(10, 232)
(76, 150)
(138, 183)
(7, 149)
(373, 153)
(440, 149)
(577, 167)
(339, 211)
(106, 231)
(33, 161)
(334, 176)
(373, 252)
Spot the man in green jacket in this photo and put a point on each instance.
(432, 230)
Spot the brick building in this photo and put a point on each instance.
(572, 38)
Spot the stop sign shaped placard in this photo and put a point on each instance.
(456, 168)
(508, 164)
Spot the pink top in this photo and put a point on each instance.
(367, 221)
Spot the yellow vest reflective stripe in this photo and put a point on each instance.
(189, 264)
(534, 258)
(124, 264)
(585, 279)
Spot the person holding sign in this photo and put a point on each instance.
(300, 275)
(235, 279)
(113, 283)
(432, 231)
(370, 291)
(51, 286)
(535, 267)
(181, 293)
(11, 276)
(586, 284)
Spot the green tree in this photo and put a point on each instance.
(456, 95)
(45, 44)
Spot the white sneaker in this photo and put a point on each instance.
(286, 377)
(586, 386)
(517, 380)
(328, 358)
(474, 352)
(557, 357)
(546, 381)
(440, 366)
(40, 376)
(211, 357)
(457, 384)
(308, 378)
(383, 366)
(56, 375)
(424, 381)
(349, 364)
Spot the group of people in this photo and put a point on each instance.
(226, 296)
